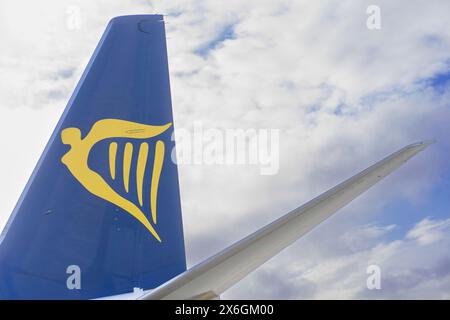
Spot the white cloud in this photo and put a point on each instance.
(428, 231)
(407, 270)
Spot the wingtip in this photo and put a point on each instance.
(424, 143)
(429, 142)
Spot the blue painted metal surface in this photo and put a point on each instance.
(57, 222)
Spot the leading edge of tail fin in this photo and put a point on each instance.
(101, 212)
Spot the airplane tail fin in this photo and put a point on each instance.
(101, 212)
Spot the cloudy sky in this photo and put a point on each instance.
(343, 96)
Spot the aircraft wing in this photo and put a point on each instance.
(209, 279)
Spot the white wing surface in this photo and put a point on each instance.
(212, 277)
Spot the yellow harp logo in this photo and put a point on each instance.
(76, 160)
